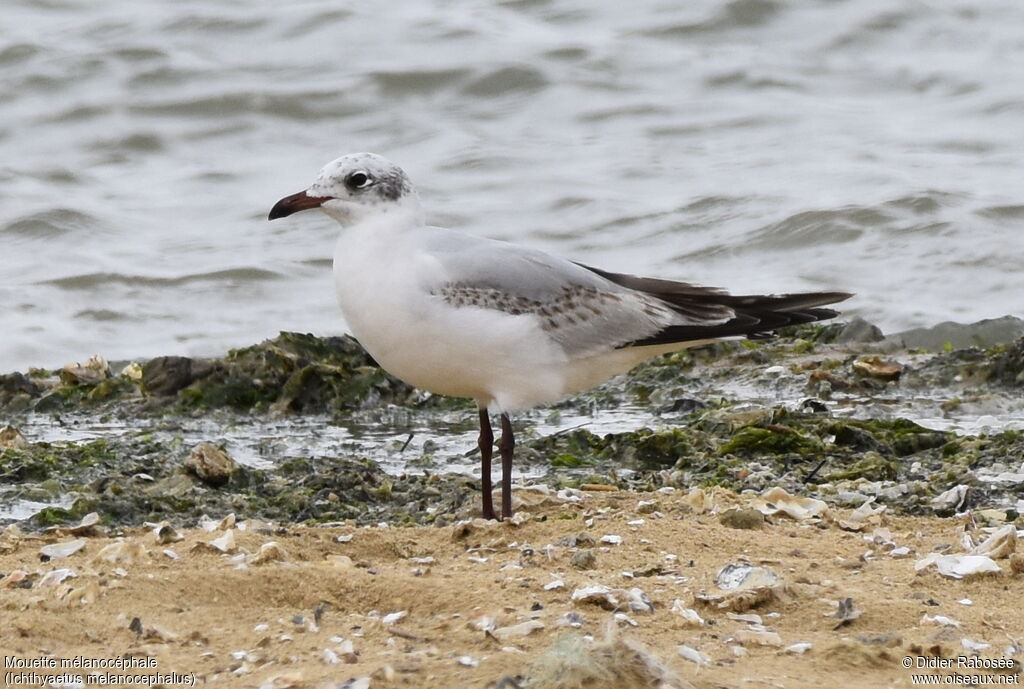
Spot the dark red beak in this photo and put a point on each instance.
(295, 203)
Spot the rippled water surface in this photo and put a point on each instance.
(757, 145)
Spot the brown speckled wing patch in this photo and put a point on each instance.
(574, 305)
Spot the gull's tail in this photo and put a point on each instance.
(723, 314)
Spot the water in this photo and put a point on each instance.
(757, 145)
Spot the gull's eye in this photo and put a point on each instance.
(358, 180)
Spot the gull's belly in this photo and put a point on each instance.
(487, 355)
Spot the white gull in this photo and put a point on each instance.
(508, 326)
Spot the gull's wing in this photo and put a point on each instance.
(588, 311)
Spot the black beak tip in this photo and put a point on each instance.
(280, 210)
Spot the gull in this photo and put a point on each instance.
(507, 326)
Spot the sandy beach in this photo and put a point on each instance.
(476, 604)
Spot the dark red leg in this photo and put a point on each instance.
(486, 442)
(506, 446)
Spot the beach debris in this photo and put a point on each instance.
(876, 367)
(622, 618)
(271, 551)
(87, 527)
(94, 370)
(953, 498)
(519, 518)
(958, 566)
(846, 612)
(799, 648)
(613, 599)
(1000, 544)
(685, 616)
(583, 559)
(467, 661)
(778, 501)
(18, 579)
(517, 631)
(864, 516)
(11, 438)
(394, 617)
(972, 645)
(749, 618)
(646, 506)
(351, 683)
(56, 576)
(208, 523)
(939, 620)
(614, 662)
(693, 655)
(571, 619)
(293, 679)
(742, 518)
(611, 539)
(83, 595)
(757, 637)
(742, 586)
(225, 543)
(54, 551)
(210, 464)
(699, 500)
(165, 534)
(556, 584)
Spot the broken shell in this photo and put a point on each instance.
(226, 543)
(17, 579)
(940, 620)
(861, 517)
(56, 576)
(1002, 543)
(972, 645)
(517, 631)
(698, 500)
(952, 498)
(270, 551)
(164, 534)
(86, 527)
(743, 576)
(778, 501)
(876, 367)
(83, 595)
(959, 566)
(65, 549)
(743, 586)
(693, 655)
(121, 552)
(95, 370)
(687, 617)
(393, 617)
(749, 618)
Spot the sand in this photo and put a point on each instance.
(310, 612)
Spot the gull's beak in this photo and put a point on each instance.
(295, 203)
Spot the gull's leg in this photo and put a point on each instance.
(506, 447)
(486, 442)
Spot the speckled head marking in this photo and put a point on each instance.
(347, 186)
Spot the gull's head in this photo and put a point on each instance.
(352, 187)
